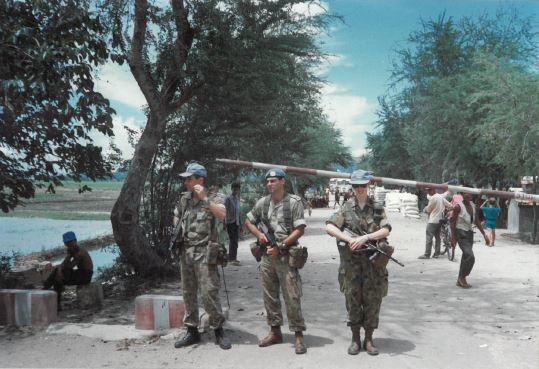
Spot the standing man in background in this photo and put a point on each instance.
(233, 222)
(463, 218)
(435, 209)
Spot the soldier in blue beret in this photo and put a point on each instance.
(363, 282)
(197, 212)
(284, 213)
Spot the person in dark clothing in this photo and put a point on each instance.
(233, 222)
(76, 269)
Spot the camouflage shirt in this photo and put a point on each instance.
(369, 219)
(198, 223)
(276, 216)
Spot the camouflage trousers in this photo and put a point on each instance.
(363, 286)
(198, 275)
(277, 275)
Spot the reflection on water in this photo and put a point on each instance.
(25, 235)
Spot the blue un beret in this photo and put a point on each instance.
(195, 168)
(361, 177)
(275, 172)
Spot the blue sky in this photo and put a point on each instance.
(357, 70)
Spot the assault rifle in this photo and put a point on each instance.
(176, 239)
(269, 232)
(370, 247)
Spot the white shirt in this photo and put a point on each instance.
(436, 206)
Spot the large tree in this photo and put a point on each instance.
(454, 86)
(49, 107)
(172, 53)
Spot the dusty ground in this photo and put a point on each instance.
(426, 322)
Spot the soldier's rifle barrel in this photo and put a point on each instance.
(385, 180)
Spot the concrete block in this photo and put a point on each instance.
(158, 312)
(90, 295)
(30, 274)
(27, 307)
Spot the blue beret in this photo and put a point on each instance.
(69, 236)
(195, 168)
(361, 177)
(275, 172)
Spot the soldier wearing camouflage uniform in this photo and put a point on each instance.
(198, 214)
(363, 284)
(275, 270)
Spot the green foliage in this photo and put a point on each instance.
(49, 51)
(467, 105)
(259, 101)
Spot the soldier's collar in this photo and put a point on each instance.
(368, 203)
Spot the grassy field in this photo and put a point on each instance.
(68, 204)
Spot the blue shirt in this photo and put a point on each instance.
(491, 214)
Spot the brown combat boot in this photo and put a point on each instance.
(274, 336)
(299, 346)
(355, 346)
(368, 345)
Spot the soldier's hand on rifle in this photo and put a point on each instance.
(262, 239)
(357, 243)
(273, 251)
(200, 192)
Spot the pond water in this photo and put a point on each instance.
(25, 235)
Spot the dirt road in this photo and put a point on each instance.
(426, 321)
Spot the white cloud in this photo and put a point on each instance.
(352, 114)
(331, 61)
(120, 136)
(311, 8)
(116, 82)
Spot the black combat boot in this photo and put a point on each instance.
(221, 340)
(191, 337)
(355, 345)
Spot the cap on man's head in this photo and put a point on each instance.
(195, 169)
(69, 236)
(275, 172)
(361, 177)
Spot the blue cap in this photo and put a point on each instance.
(195, 168)
(69, 236)
(361, 177)
(275, 172)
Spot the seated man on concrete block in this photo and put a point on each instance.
(76, 269)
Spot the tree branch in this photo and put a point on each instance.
(184, 39)
(136, 61)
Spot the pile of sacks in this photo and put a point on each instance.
(380, 195)
(408, 206)
(393, 201)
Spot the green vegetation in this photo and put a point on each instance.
(464, 103)
(49, 105)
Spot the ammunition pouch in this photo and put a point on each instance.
(380, 260)
(216, 254)
(257, 251)
(297, 256)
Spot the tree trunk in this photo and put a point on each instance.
(535, 212)
(129, 236)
